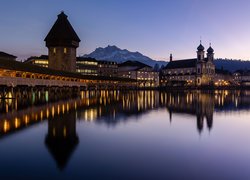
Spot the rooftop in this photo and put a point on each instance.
(186, 63)
(86, 59)
(200, 47)
(62, 32)
(26, 67)
(134, 63)
(4, 54)
(36, 57)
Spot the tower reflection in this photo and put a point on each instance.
(198, 104)
(62, 138)
(112, 108)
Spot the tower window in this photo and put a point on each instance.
(54, 50)
(65, 50)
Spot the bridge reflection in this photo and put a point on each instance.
(112, 108)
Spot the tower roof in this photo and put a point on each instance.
(61, 149)
(62, 33)
(210, 49)
(200, 47)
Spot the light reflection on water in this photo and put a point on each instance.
(128, 135)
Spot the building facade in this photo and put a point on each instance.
(144, 74)
(198, 71)
(42, 61)
(223, 78)
(87, 66)
(62, 42)
(107, 68)
(242, 77)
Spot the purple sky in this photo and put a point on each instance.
(155, 28)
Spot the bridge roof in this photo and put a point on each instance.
(25, 67)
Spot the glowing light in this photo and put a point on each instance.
(63, 108)
(47, 113)
(26, 119)
(6, 126)
(67, 106)
(41, 115)
(64, 132)
(58, 109)
(54, 132)
(53, 111)
(17, 123)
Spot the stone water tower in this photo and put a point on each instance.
(62, 42)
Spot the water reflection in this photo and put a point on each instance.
(103, 109)
(197, 103)
(113, 107)
(62, 138)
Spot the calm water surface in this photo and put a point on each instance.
(127, 135)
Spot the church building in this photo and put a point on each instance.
(198, 71)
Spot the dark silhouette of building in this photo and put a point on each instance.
(200, 105)
(62, 139)
(6, 56)
(62, 42)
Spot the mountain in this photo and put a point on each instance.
(231, 65)
(113, 53)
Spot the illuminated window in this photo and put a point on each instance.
(54, 50)
(41, 62)
(65, 50)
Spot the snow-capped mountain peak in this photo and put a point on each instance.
(113, 53)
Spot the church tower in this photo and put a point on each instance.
(62, 42)
(210, 54)
(200, 64)
(200, 52)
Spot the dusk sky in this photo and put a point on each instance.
(155, 28)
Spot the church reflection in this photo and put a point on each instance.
(198, 104)
(112, 108)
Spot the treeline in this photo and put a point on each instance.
(232, 64)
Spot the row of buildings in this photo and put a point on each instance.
(62, 43)
(144, 74)
(199, 71)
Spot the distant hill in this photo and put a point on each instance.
(231, 65)
(113, 53)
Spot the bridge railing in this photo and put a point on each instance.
(19, 81)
